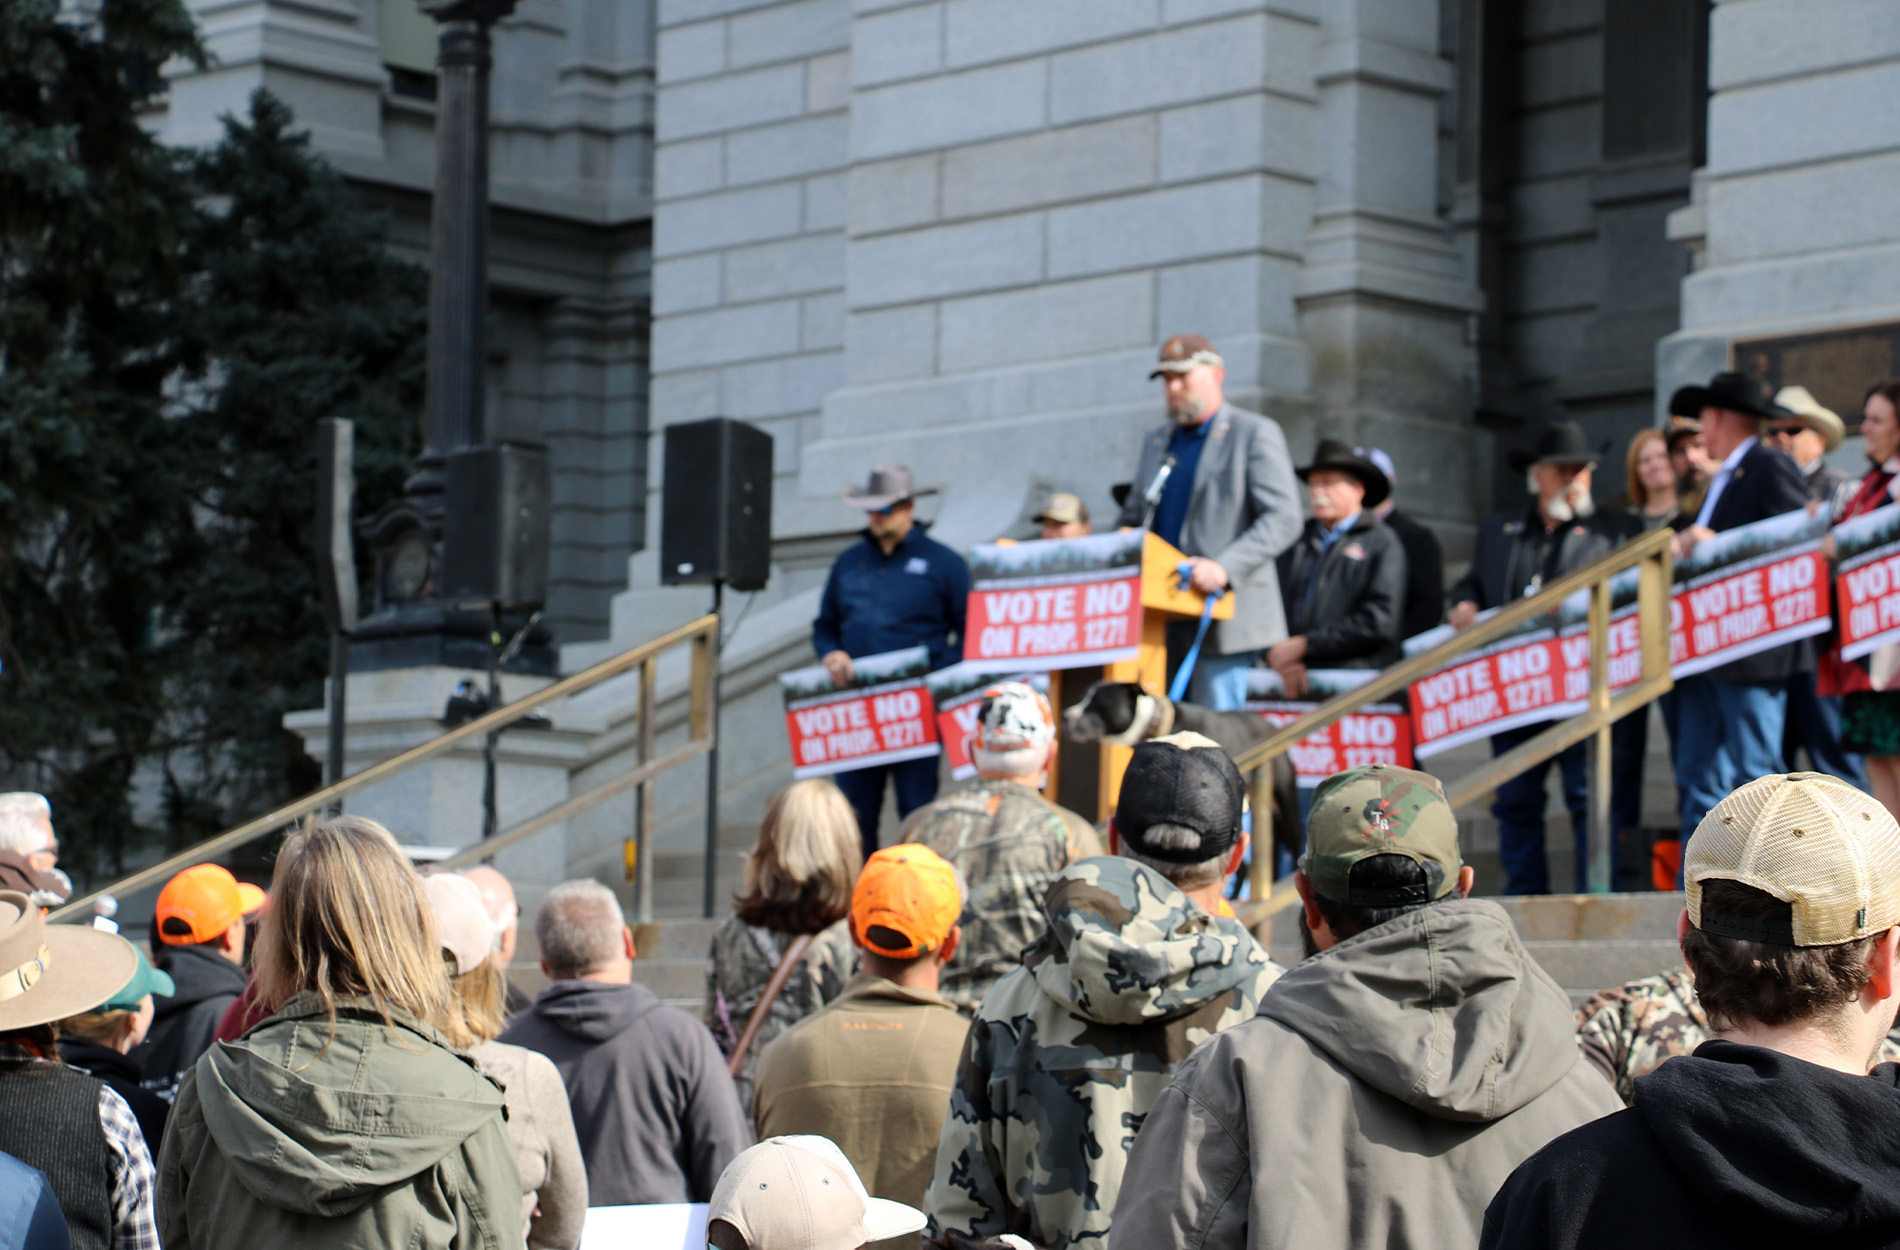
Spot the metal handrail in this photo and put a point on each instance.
(702, 633)
(1653, 552)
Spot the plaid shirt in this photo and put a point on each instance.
(134, 1182)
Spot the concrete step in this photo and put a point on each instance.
(1583, 968)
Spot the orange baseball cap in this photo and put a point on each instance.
(911, 891)
(201, 902)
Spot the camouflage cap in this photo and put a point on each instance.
(1380, 810)
(1183, 353)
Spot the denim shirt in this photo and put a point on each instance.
(875, 603)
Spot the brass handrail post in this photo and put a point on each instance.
(1601, 757)
(643, 803)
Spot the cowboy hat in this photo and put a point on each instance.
(1562, 442)
(50, 972)
(1341, 458)
(889, 484)
(1808, 411)
(1734, 392)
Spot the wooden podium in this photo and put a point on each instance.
(1135, 559)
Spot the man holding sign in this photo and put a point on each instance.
(1518, 553)
(897, 588)
(1729, 720)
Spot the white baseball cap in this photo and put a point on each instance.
(801, 1193)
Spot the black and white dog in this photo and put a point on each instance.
(1119, 713)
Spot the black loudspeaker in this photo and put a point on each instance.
(495, 526)
(716, 512)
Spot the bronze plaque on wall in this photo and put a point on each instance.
(1837, 366)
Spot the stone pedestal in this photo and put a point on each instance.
(439, 802)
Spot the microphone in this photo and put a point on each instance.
(1151, 498)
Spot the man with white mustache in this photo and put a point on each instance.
(1517, 553)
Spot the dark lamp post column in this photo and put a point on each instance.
(458, 276)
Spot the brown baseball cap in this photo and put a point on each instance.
(1829, 851)
(1064, 509)
(1184, 352)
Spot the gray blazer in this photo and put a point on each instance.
(1245, 512)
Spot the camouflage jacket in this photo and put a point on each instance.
(1627, 1032)
(742, 960)
(1068, 1052)
(1008, 843)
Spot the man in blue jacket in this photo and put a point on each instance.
(898, 588)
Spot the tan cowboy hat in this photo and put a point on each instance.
(1809, 412)
(50, 972)
(889, 484)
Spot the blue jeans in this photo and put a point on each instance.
(1727, 733)
(916, 782)
(1521, 801)
(1815, 723)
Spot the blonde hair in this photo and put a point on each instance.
(348, 919)
(1639, 494)
(477, 1006)
(104, 1027)
(798, 878)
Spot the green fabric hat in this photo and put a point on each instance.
(1380, 810)
(147, 980)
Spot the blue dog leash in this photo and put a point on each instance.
(1179, 688)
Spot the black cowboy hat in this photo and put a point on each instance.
(1737, 392)
(1340, 457)
(1562, 442)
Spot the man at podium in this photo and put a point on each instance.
(1217, 482)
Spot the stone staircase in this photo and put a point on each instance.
(672, 960)
(1586, 942)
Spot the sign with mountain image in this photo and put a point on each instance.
(958, 693)
(1867, 578)
(1055, 603)
(884, 715)
(1378, 733)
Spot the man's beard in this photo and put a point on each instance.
(1188, 411)
(1570, 505)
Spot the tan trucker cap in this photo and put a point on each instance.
(801, 1193)
(1827, 849)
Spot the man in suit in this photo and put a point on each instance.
(1517, 554)
(1217, 482)
(1424, 559)
(1729, 721)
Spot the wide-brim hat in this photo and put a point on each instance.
(1735, 392)
(1562, 442)
(51, 972)
(1338, 456)
(888, 484)
(1808, 411)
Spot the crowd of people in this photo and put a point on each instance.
(1138, 1073)
(1011, 1028)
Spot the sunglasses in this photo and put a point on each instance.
(1786, 431)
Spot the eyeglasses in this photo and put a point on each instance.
(1786, 431)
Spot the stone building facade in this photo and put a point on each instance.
(952, 232)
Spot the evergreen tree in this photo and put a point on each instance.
(94, 496)
(171, 328)
(298, 312)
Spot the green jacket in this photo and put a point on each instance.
(384, 1138)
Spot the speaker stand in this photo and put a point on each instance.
(712, 754)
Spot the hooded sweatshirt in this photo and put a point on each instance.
(1067, 1053)
(1733, 1146)
(185, 1025)
(654, 1108)
(1384, 1092)
(377, 1136)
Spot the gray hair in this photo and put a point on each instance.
(579, 927)
(1170, 837)
(21, 814)
(1023, 762)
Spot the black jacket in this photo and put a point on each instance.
(1424, 574)
(654, 1108)
(119, 1072)
(1766, 483)
(1351, 617)
(1488, 581)
(1730, 1148)
(185, 1025)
